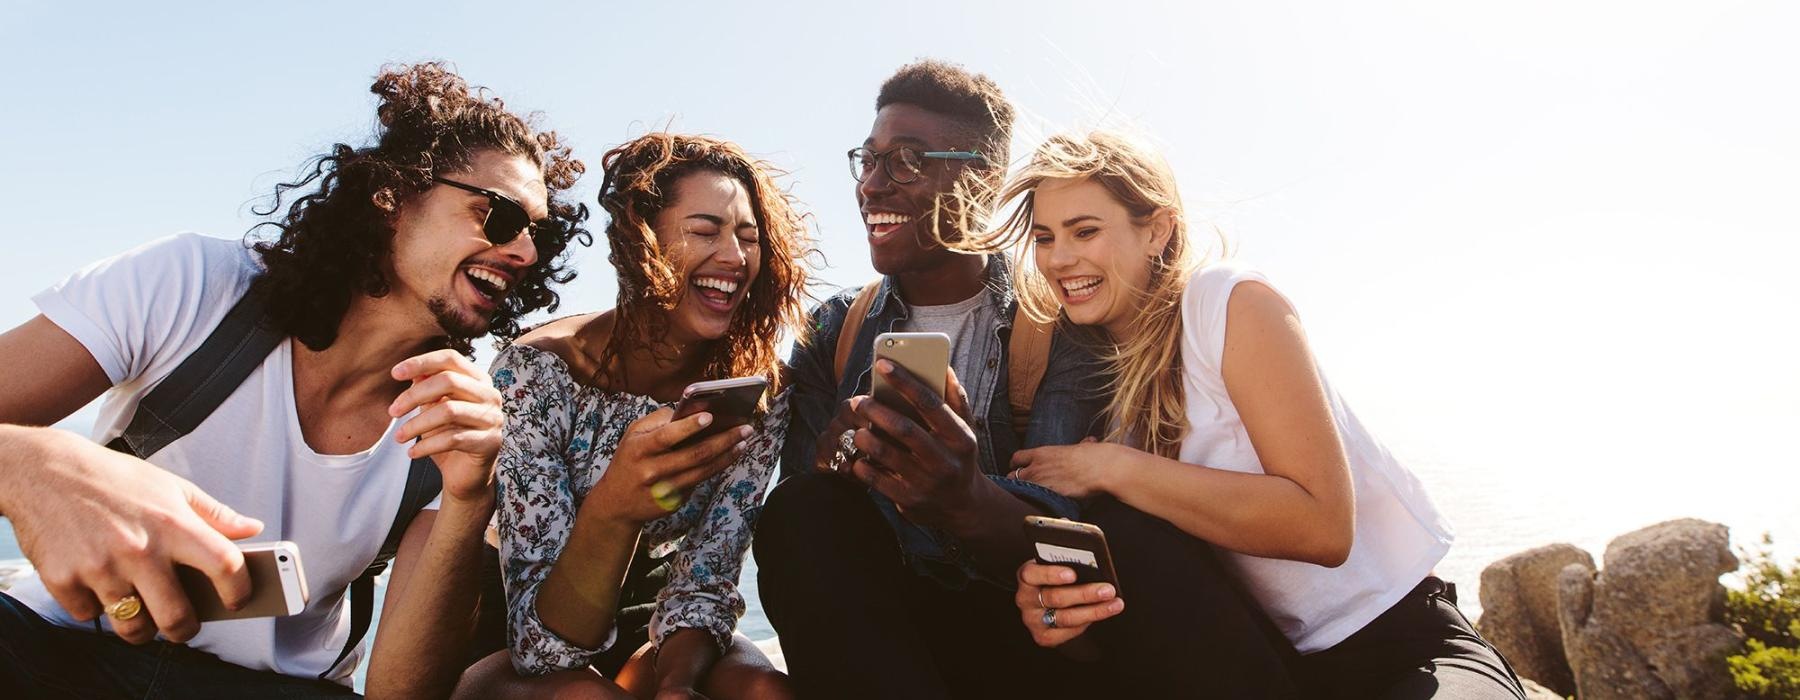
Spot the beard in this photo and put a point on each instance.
(457, 323)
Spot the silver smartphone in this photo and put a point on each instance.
(277, 584)
(924, 355)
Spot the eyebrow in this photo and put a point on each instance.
(1071, 221)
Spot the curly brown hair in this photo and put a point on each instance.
(640, 177)
(335, 240)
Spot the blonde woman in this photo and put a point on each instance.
(1222, 426)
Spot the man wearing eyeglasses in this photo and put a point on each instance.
(886, 553)
(335, 405)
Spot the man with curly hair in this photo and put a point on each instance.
(886, 553)
(311, 388)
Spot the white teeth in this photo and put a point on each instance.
(498, 282)
(1080, 284)
(877, 218)
(726, 286)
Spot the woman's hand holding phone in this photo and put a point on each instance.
(1047, 587)
(655, 464)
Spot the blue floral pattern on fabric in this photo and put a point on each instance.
(559, 439)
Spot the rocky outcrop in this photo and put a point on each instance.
(1519, 612)
(1649, 624)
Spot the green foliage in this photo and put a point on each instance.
(1768, 612)
(1766, 672)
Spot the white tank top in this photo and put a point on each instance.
(1400, 535)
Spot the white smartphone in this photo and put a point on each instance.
(925, 356)
(277, 584)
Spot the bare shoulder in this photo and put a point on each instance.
(569, 338)
(1258, 308)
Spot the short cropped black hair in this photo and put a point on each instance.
(945, 88)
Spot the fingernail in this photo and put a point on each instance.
(1065, 576)
(705, 419)
(1115, 606)
(744, 431)
(885, 366)
(1107, 592)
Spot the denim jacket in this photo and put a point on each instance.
(1064, 411)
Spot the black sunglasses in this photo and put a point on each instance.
(904, 164)
(506, 219)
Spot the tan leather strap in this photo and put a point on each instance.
(1028, 354)
(859, 310)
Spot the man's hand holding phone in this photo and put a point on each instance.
(105, 531)
(929, 469)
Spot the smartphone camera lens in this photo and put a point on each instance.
(890, 342)
(282, 558)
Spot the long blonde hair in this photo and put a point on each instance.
(1143, 372)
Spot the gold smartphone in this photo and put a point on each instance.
(277, 584)
(924, 355)
(1077, 545)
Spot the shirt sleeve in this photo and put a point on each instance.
(148, 306)
(537, 505)
(702, 589)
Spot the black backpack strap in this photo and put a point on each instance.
(201, 382)
(423, 483)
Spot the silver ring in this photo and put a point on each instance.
(1050, 618)
(846, 447)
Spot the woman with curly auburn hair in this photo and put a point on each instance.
(1225, 432)
(598, 480)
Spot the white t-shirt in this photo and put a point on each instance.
(139, 314)
(1400, 535)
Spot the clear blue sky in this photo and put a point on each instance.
(1548, 237)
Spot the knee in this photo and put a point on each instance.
(798, 506)
(495, 677)
(760, 684)
(1145, 543)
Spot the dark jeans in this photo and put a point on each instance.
(1189, 630)
(855, 621)
(41, 660)
(1422, 647)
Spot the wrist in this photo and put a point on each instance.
(969, 515)
(28, 449)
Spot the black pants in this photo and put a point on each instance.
(1422, 647)
(1189, 630)
(855, 621)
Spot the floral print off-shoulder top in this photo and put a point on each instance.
(559, 439)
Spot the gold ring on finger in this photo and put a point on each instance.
(124, 608)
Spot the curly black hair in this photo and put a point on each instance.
(972, 99)
(335, 240)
